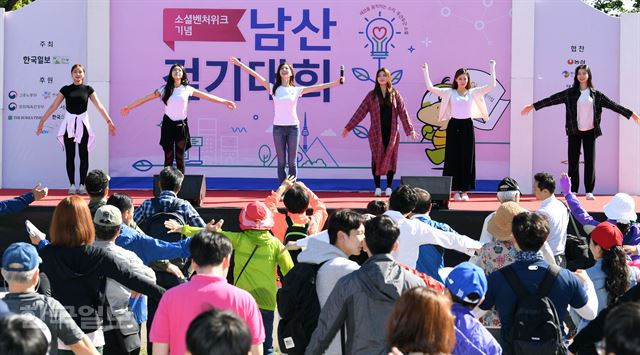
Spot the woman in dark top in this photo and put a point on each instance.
(174, 131)
(583, 105)
(76, 127)
(384, 106)
(77, 270)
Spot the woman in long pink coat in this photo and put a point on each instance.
(384, 106)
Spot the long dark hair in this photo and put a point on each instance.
(386, 100)
(576, 83)
(623, 227)
(78, 66)
(614, 265)
(461, 71)
(168, 88)
(279, 79)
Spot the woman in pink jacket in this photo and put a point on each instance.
(385, 105)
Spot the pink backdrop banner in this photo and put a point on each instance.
(316, 38)
(205, 25)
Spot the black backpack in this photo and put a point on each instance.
(299, 308)
(536, 328)
(293, 233)
(154, 225)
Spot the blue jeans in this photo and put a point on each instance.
(267, 320)
(286, 139)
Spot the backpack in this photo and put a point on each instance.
(536, 328)
(293, 233)
(154, 225)
(299, 308)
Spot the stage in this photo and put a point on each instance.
(216, 199)
(465, 217)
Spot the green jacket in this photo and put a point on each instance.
(259, 277)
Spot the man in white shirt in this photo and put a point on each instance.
(556, 212)
(414, 233)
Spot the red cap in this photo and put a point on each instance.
(607, 235)
(256, 215)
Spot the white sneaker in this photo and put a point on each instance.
(81, 190)
(590, 196)
(388, 192)
(378, 192)
(465, 197)
(72, 189)
(457, 197)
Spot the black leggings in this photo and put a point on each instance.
(179, 154)
(83, 151)
(386, 135)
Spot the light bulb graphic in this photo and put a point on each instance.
(379, 32)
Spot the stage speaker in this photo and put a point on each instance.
(194, 187)
(438, 186)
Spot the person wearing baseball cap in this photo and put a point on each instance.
(21, 272)
(467, 285)
(256, 254)
(97, 186)
(611, 276)
(108, 222)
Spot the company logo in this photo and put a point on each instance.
(12, 106)
(13, 94)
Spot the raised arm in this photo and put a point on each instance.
(494, 81)
(125, 110)
(54, 106)
(103, 113)
(203, 95)
(427, 80)
(251, 72)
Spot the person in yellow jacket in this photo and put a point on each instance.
(256, 254)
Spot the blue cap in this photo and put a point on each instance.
(465, 279)
(20, 257)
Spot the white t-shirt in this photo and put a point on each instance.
(285, 103)
(461, 105)
(176, 107)
(585, 110)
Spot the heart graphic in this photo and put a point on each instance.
(379, 32)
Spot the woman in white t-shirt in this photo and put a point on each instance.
(175, 128)
(583, 104)
(460, 105)
(286, 131)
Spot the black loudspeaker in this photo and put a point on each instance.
(194, 187)
(438, 186)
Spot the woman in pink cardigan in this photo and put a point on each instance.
(385, 105)
(461, 104)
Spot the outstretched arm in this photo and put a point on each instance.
(103, 112)
(125, 110)
(320, 87)
(203, 95)
(251, 72)
(54, 106)
(358, 116)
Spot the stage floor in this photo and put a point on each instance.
(333, 200)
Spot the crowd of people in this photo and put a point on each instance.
(302, 282)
